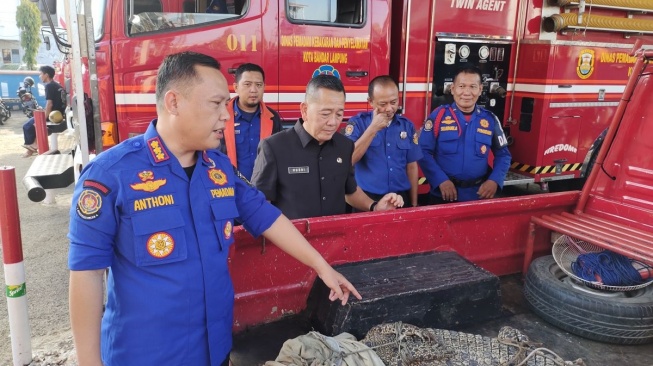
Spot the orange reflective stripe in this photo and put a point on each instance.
(267, 123)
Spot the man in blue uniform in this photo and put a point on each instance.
(456, 141)
(158, 211)
(386, 150)
(250, 120)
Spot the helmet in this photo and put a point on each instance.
(28, 81)
(55, 117)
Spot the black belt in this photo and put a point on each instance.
(467, 183)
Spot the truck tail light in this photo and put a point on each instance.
(109, 134)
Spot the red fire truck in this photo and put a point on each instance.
(555, 84)
(554, 70)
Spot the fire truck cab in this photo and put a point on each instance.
(553, 70)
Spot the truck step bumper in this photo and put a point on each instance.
(48, 172)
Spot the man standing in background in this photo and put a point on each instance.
(386, 150)
(250, 120)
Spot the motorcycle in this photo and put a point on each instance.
(5, 113)
(27, 101)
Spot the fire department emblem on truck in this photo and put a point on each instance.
(326, 70)
(585, 64)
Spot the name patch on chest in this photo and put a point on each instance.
(448, 128)
(483, 131)
(297, 170)
(151, 202)
(223, 192)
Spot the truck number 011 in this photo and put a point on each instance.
(233, 42)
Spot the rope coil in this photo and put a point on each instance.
(610, 268)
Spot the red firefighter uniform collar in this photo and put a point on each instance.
(159, 153)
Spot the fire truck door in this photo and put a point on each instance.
(324, 37)
(155, 28)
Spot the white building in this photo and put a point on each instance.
(10, 48)
(9, 34)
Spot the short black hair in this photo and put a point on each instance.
(47, 70)
(469, 69)
(179, 68)
(380, 80)
(248, 67)
(324, 81)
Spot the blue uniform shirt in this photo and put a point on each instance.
(248, 135)
(166, 239)
(382, 169)
(461, 149)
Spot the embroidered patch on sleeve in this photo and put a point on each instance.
(428, 125)
(89, 205)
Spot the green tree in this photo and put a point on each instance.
(28, 20)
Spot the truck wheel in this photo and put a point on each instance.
(611, 317)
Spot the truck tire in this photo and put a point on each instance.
(612, 317)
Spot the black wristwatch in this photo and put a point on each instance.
(373, 205)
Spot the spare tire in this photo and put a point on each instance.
(611, 317)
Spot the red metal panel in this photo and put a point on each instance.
(638, 246)
(570, 110)
(490, 233)
(486, 17)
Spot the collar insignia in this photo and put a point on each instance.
(208, 160)
(157, 150)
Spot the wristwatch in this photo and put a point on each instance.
(373, 205)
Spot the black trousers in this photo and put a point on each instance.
(435, 200)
